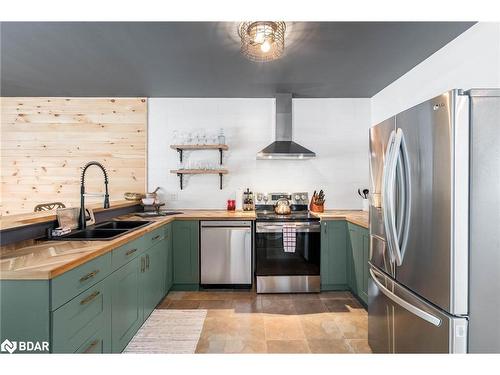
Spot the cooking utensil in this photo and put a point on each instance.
(365, 193)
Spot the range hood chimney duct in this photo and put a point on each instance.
(284, 147)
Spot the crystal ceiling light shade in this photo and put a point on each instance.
(262, 40)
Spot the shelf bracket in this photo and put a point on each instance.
(179, 150)
(220, 153)
(180, 177)
(220, 179)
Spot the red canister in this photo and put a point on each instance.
(231, 204)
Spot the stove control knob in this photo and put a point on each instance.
(266, 198)
(297, 197)
(303, 197)
(259, 197)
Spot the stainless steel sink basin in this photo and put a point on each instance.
(106, 231)
(94, 234)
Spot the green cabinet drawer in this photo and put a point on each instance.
(85, 316)
(95, 344)
(72, 283)
(124, 254)
(152, 238)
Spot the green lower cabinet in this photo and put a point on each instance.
(357, 261)
(99, 306)
(84, 324)
(126, 303)
(153, 277)
(25, 310)
(185, 243)
(333, 255)
(169, 271)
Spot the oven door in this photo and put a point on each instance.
(271, 258)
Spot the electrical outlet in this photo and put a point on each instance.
(172, 197)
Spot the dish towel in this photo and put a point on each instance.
(289, 238)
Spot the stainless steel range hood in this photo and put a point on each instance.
(284, 147)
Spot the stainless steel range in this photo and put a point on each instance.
(287, 246)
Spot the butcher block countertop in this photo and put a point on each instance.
(42, 259)
(357, 217)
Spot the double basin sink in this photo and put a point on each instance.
(108, 230)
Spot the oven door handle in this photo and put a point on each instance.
(278, 228)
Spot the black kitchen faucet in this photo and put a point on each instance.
(83, 194)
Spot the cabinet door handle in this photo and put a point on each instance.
(155, 237)
(147, 261)
(89, 298)
(91, 346)
(89, 276)
(142, 264)
(131, 251)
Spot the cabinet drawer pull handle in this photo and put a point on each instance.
(131, 251)
(92, 345)
(155, 237)
(89, 298)
(147, 262)
(89, 276)
(142, 264)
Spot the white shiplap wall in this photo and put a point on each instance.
(336, 129)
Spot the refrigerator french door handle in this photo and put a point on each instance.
(390, 217)
(407, 195)
(402, 227)
(401, 198)
(385, 197)
(406, 305)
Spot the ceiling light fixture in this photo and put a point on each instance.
(262, 40)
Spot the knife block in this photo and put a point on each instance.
(316, 207)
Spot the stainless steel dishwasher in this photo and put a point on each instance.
(226, 253)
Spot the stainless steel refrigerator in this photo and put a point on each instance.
(434, 261)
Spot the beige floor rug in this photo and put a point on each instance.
(168, 331)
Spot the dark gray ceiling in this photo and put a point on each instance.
(202, 59)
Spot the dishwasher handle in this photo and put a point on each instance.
(226, 224)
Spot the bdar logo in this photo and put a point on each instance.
(8, 346)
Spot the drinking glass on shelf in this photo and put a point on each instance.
(189, 138)
(214, 138)
(175, 137)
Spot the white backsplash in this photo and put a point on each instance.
(336, 129)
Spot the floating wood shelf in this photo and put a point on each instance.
(181, 148)
(182, 172)
(200, 147)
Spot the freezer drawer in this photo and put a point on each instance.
(226, 253)
(401, 322)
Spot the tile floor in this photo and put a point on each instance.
(244, 322)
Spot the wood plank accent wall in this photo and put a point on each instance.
(45, 142)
